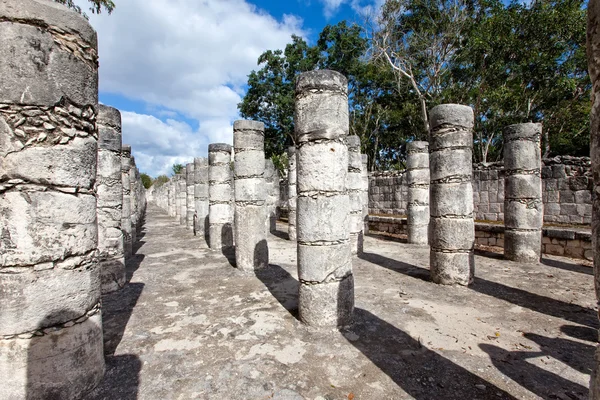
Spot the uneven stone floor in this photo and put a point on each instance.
(190, 326)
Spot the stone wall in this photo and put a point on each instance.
(566, 191)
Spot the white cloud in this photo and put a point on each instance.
(330, 7)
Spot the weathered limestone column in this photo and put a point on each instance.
(523, 207)
(182, 193)
(272, 189)
(50, 322)
(452, 233)
(354, 187)
(292, 192)
(220, 195)
(172, 197)
(191, 201)
(201, 196)
(365, 179)
(326, 291)
(176, 180)
(251, 249)
(593, 55)
(417, 167)
(133, 197)
(109, 190)
(126, 211)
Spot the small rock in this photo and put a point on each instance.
(480, 386)
(48, 126)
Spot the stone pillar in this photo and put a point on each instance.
(133, 197)
(201, 196)
(220, 195)
(417, 174)
(523, 207)
(452, 229)
(251, 249)
(292, 192)
(354, 187)
(365, 179)
(109, 190)
(172, 197)
(126, 211)
(593, 56)
(191, 200)
(326, 290)
(272, 189)
(182, 194)
(176, 179)
(50, 322)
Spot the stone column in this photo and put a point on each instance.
(126, 211)
(292, 192)
(133, 197)
(176, 180)
(109, 190)
(452, 230)
(417, 174)
(182, 193)
(220, 196)
(191, 200)
(251, 250)
(354, 186)
(272, 189)
(365, 179)
(50, 322)
(172, 197)
(593, 55)
(326, 291)
(201, 196)
(523, 208)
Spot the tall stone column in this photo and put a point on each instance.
(201, 196)
(523, 207)
(326, 290)
(191, 200)
(182, 193)
(292, 192)
(354, 186)
(220, 195)
(176, 180)
(133, 197)
(365, 179)
(251, 249)
(172, 197)
(109, 190)
(417, 171)
(452, 234)
(126, 211)
(272, 189)
(50, 322)
(593, 55)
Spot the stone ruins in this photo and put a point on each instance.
(73, 217)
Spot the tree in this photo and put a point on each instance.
(96, 6)
(146, 180)
(177, 168)
(160, 180)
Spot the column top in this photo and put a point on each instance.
(527, 131)
(451, 114)
(322, 79)
(215, 147)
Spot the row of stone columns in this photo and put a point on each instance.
(71, 202)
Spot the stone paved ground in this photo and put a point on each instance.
(189, 326)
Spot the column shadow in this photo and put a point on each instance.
(582, 269)
(577, 355)
(580, 332)
(282, 285)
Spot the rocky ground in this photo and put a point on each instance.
(189, 326)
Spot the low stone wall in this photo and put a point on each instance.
(567, 184)
(570, 242)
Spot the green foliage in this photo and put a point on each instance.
(146, 180)
(160, 180)
(95, 7)
(177, 168)
(281, 162)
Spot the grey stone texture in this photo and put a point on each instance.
(292, 195)
(182, 196)
(452, 230)
(109, 192)
(126, 209)
(523, 208)
(272, 180)
(365, 192)
(190, 199)
(326, 290)
(51, 343)
(201, 196)
(417, 175)
(593, 54)
(133, 197)
(251, 248)
(354, 188)
(220, 196)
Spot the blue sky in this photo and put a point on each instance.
(178, 68)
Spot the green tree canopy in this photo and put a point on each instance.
(146, 180)
(177, 168)
(96, 6)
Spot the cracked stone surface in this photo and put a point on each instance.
(188, 325)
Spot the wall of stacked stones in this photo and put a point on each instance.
(566, 191)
